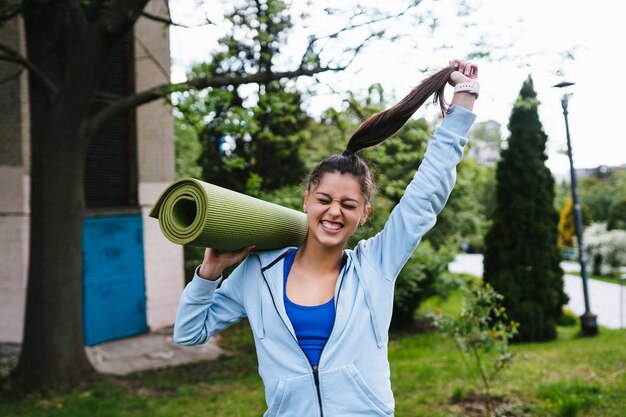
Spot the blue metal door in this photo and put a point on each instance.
(114, 293)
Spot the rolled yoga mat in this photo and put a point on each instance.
(193, 212)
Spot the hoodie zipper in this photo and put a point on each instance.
(316, 377)
(316, 371)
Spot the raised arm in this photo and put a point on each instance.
(430, 188)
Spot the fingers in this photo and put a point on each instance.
(244, 252)
(227, 257)
(466, 68)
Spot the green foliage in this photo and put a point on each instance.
(604, 194)
(465, 219)
(522, 258)
(187, 151)
(482, 332)
(250, 139)
(569, 318)
(570, 398)
(425, 274)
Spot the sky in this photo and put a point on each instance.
(551, 40)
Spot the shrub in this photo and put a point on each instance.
(424, 275)
(482, 332)
(605, 248)
(568, 318)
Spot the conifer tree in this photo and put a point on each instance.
(521, 256)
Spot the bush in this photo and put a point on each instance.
(605, 248)
(424, 275)
(568, 318)
(482, 332)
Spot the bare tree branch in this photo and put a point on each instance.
(168, 21)
(315, 40)
(383, 18)
(12, 76)
(362, 45)
(152, 58)
(11, 55)
(163, 90)
(10, 12)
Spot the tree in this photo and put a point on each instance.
(466, 217)
(567, 224)
(604, 194)
(250, 140)
(68, 44)
(521, 257)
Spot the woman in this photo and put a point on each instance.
(320, 313)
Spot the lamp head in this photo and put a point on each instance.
(563, 84)
(565, 98)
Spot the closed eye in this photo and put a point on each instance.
(346, 205)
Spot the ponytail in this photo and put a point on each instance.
(384, 124)
(376, 129)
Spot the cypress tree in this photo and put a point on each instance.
(521, 256)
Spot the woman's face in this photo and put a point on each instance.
(335, 208)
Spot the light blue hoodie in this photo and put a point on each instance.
(353, 372)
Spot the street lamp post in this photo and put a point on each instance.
(588, 322)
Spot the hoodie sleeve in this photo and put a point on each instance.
(423, 199)
(204, 309)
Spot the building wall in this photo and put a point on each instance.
(155, 141)
(14, 185)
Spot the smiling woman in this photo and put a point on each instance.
(320, 313)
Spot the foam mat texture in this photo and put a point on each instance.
(193, 212)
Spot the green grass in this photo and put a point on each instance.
(611, 279)
(568, 377)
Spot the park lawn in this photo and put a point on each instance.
(570, 376)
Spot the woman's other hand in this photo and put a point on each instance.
(216, 261)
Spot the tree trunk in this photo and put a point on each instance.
(72, 52)
(53, 351)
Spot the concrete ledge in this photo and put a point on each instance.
(148, 351)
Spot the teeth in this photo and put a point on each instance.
(329, 225)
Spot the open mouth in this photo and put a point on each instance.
(331, 226)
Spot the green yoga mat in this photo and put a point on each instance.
(193, 212)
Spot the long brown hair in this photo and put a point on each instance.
(379, 127)
(384, 124)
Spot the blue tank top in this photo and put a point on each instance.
(312, 324)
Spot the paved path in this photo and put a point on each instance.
(137, 353)
(604, 297)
